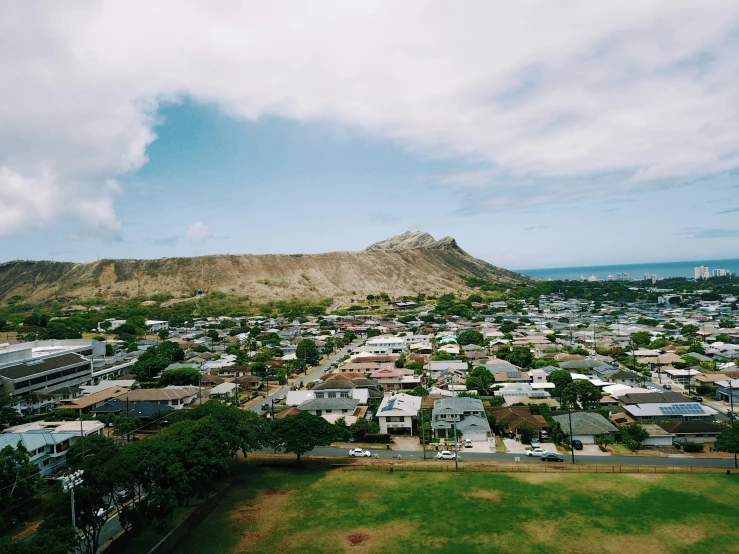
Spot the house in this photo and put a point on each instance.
(397, 413)
(48, 441)
(177, 397)
(657, 436)
(586, 426)
(466, 414)
(726, 389)
(519, 392)
(393, 378)
(651, 397)
(321, 406)
(693, 431)
(658, 412)
(386, 343)
(114, 324)
(155, 325)
(515, 417)
(621, 377)
(681, 376)
(144, 411)
(437, 368)
(89, 402)
(224, 390)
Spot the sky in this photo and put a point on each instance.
(537, 134)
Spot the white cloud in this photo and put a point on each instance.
(539, 93)
(198, 233)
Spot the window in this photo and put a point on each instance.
(319, 395)
(328, 411)
(332, 395)
(344, 395)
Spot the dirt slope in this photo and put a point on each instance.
(396, 266)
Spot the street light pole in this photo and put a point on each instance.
(68, 484)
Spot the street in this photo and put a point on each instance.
(341, 454)
(313, 375)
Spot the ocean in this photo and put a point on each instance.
(636, 271)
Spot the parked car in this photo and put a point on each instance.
(536, 452)
(281, 397)
(697, 398)
(552, 457)
(467, 443)
(577, 444)
(265, 407)
(124, 495)
(535, 443)
(446, 455)
(667, 386)
(354, 452)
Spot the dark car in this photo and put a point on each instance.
(697, 399)
(577, 444)
(552, 457)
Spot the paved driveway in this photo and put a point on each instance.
(591, 450)
(514, 446)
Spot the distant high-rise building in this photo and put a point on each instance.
(700, 272)
(720, 273)
(646, 277)
(654, 278)
(611, 278)
(592, 278)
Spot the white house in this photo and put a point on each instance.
(394, 344)
(155, 325)
(397, 412)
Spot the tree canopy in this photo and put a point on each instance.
(302, 433)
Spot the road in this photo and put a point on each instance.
(342, 455)
(313, 375)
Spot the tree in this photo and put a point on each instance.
(526, 431)
(641, 338)
(308, 351)
(728, 441)
(442, 355)
(373, 333)
(633, 435)
(302, 433)
(481, 379)
(124, 426)
(180, 376)
(689, 330)
(582, 392)
(244, 430)
(212, 334)
(163, 334)
(561, 379)
(419, 391)
(470, 337)
(19, 477)
(520, 356)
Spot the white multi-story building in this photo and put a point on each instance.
(47, 442)
(397, 412)
(701, 272)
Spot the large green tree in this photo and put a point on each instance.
(561, 379)
(19, 477)
(302, 433)
(728, 441)
(470, 337)
(308, 351)
(180, 376)
(581, 392)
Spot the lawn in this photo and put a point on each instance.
(337, 511)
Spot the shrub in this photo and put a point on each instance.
(693, 447)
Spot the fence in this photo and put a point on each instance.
(530, 468)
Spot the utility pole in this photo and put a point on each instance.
(68, 484)
(456, 446)
(572, 434)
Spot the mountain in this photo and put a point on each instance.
(406, 264)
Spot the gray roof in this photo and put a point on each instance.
(42, 365)
(468, 423)
(652, 397)
(457, 405)
(141, 410)
(329, 404)
(585, 423)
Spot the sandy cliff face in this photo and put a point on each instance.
(407, 264)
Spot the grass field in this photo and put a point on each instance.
(354, 511)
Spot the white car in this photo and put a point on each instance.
(446, 455)
(536, 452)
(360, 452)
